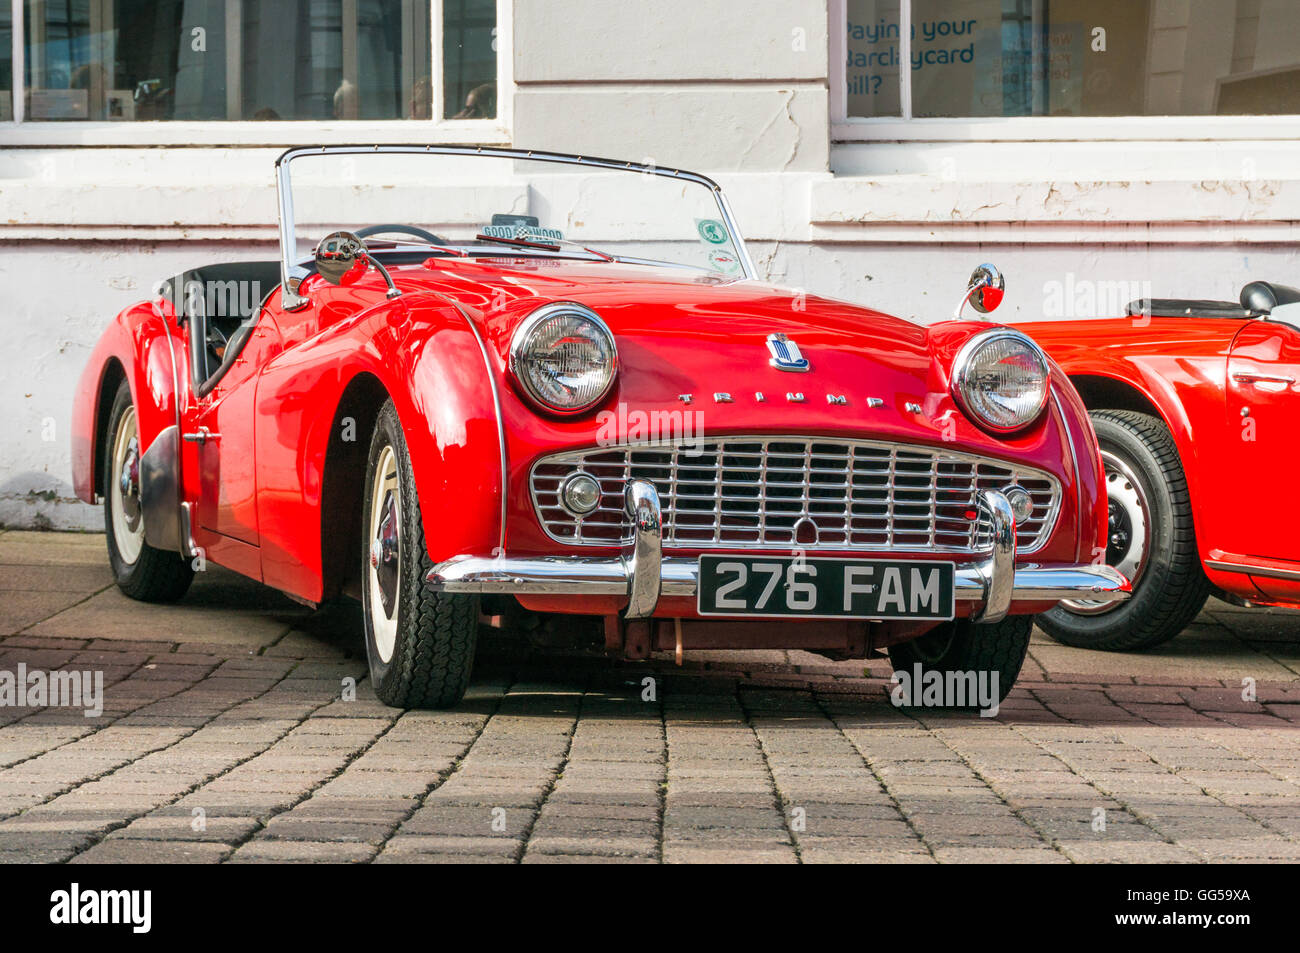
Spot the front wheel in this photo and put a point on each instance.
(1149, 538)
(420, 644)
(990, 651)
(140, 570)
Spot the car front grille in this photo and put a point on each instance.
(788, 492)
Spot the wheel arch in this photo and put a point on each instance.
(109, 381)
(1109, 393)
(1105, 392)
(343, 483)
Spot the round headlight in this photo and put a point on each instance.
(1000, 378)
(563, 358)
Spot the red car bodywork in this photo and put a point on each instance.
(271, 459)
(272, 493)
(1225, 389)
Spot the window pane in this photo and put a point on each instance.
(1031, 57)
(873, 52)
(335, 59)
(469, 59)
(1093, 57)
(227, 59)
(6, 63)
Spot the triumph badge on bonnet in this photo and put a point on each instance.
(785, 354)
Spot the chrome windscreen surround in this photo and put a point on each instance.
(813, 493)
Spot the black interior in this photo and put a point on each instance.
(221, 302)
(1257, 299)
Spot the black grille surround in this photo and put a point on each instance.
(785, 492)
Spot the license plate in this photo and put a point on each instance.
(825, 588)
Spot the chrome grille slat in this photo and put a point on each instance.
(752, 491)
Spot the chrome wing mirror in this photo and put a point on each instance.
(337, 254)
(984, 291)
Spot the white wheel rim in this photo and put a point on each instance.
(124, 494)
(383, 487)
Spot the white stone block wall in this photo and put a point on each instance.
(739, 91)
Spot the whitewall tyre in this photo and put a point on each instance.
(140, 570)
(420, 644)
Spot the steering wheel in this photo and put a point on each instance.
(216, 341)
(420, 233)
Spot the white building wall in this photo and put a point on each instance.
(1086, 217)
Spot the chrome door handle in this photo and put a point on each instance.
(202, 437)
(1247, 378)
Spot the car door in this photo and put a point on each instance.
(1263, 406)
(218, 430)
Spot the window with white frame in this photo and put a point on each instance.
(972, 59)
(141, 60)
(6, 64)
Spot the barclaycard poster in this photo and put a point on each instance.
(972, 61)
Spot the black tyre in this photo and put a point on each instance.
(1151, 540)
(420, 643)
(141, 571)
(998, 648)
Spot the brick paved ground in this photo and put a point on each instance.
(224, 738)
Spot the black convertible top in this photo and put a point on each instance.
(1257, 299)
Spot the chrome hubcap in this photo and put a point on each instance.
(129, 484)
(384, 553)
(1128, 530)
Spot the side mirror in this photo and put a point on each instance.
(337, 254)
(984, 291)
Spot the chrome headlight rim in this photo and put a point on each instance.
(520, 340)
(961, 379)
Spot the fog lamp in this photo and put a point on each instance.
(1022, 504)
(580, 493)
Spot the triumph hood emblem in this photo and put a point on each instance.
(785, 354)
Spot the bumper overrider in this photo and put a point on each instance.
(643, 574)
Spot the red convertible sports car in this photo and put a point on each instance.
(1195, 406)
(555, 395)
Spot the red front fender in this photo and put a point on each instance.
(141, 345)
(424, 355)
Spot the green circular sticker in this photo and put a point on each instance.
(712, 231)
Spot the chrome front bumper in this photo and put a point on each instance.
(643, 574)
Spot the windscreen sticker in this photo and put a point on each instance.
(526, 233)
(724, 261)
(712, 232)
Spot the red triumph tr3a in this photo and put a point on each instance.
(1195, 406)
(562, 400)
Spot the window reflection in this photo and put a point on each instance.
(973, 58)
(469, 59)
(6, 64)
(254, 59)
